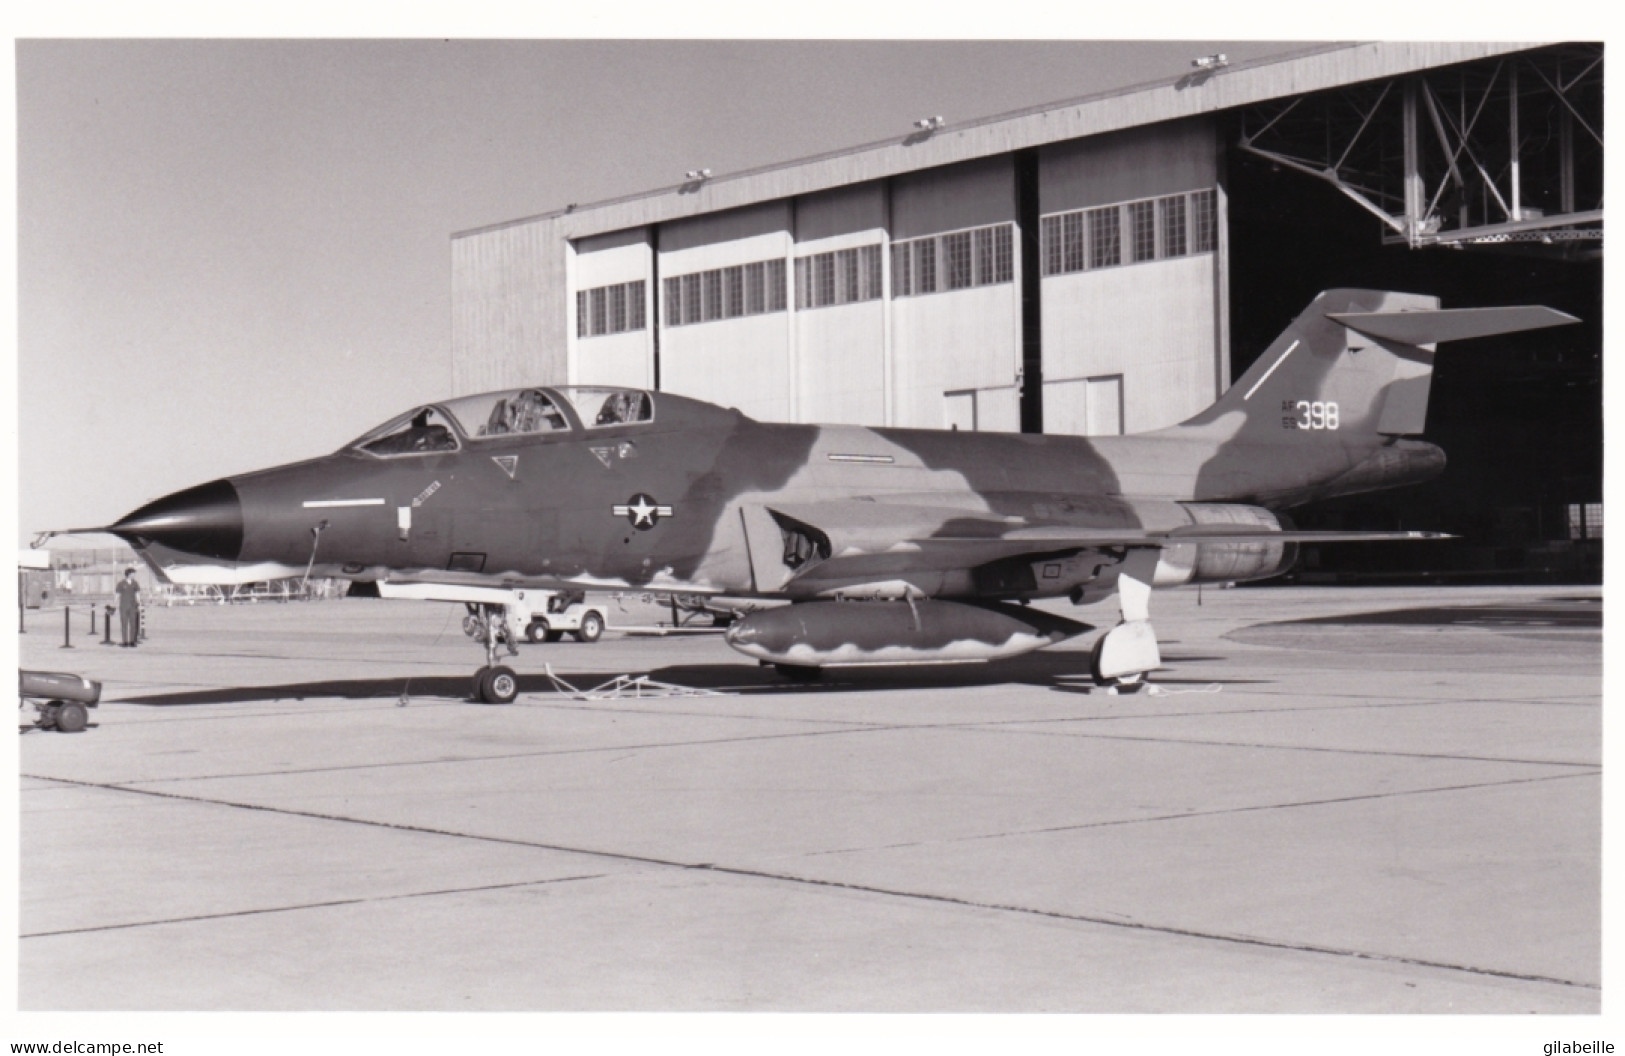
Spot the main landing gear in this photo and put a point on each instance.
(1124, 655)
(493, 683)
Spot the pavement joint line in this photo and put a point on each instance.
(1203, 742)
(309, 905)
(1198, 814)
(853, 727)
(1162, 929)
(502, 757)
(739, 871)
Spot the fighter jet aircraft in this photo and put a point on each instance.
(890, 545)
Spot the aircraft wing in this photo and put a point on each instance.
(877, 539)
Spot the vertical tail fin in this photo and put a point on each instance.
(1323, 411)
(1355, 362)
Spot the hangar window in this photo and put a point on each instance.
(674, 302)
(869, 258)
(599, 318)
(724, 293)
(1143, 222)
(711, 284)
(1049, 236)
(691, 298)
(1174, 225)
(1204, 226)
(610, 309)
(983, 256)
(824, 278)
(901, 272)
(1072, 233)
(775, 285)
(956, 260)
(1585, 520)
(842, 276)
(925, 265)
(636, 310)
(1105, 239)
(993, 257)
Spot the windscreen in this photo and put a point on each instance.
(420, 432)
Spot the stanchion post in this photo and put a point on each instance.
(93, 619)
(67, 627)
(107, 625)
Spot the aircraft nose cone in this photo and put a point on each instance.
(206, 520)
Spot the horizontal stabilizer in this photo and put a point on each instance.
(1426, 327)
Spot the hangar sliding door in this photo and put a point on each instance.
(1084, 406)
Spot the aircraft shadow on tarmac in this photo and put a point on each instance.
(1579, 613)
(1063, 672)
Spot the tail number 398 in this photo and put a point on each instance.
(1316, 414)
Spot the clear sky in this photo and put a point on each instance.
(237, 253)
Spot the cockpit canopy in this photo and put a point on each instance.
(514, 412)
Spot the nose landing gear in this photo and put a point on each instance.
(493, 683)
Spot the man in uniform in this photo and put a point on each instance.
(129, 608)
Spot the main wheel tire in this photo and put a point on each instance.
(72, 718)
(537, 632)
(501, 685)
(1094, 662)
(592, 628)
(799, 672)
(479, 682)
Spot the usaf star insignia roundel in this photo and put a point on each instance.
(642, 511)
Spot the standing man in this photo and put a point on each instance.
(129, 608)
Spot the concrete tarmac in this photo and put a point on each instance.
(1340, 800)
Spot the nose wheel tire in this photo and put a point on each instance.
(496, 685)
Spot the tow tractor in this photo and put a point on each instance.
(561, 613)
(60, 700)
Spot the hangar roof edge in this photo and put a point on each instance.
(1193, 93)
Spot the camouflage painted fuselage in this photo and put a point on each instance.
(685, 495)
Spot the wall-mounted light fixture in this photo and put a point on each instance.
(929, 124)
(1211, 62)
(697, 174)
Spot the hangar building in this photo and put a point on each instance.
(1072, 268)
